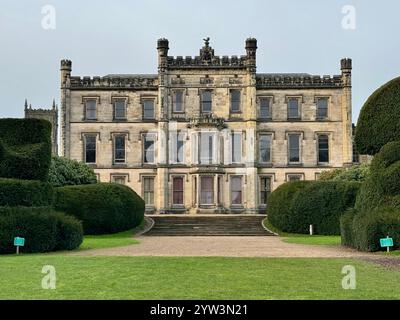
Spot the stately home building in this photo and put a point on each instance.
(207, 134)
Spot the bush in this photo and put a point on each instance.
(346, 228)
(379, 119)
(43, 229)
(354, 173)
(382, 186)
(65, 172)
(369, 228)
(26, 193)
(320, 203)
(25, 148)
(103, 207)
(280, 205)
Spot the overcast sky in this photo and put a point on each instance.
(103, 37)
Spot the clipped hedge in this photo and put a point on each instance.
(354, 173)
(25, 148)
(26, 193)
(43, 229)
(103, 207)
(346, 228)
(382, 187)
(320, 203)
(379, 119)
(369, 228)
(65, 172)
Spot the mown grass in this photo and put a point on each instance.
(108, 241)
(193, 278)
(302, 238)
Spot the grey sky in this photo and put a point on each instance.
(102, 37)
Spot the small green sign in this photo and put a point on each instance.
(19, 242)
(386, 242)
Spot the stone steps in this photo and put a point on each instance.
(249, 225)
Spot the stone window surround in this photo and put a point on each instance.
(147, 97)
(244, 181)
(142, 176)
(127, 103)
(184, 95)
(171, 177)
(271, 99)
(200, 94)
(301, 133)
(119, 175)
(272, 178)
(260, 133)
(142, 139)
(83, 136)
(242, 146)
(300, 98)
(98, 102)
(329, 98)
(298, 174)
(330, 139)
(241, 100)
(112, 139)
(172, 144)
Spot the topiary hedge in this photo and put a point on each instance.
(382, 187)
(43, 229)
(363, 231)
(103, 207)
(354, 173)
(25, 148)
(379, 119)
(26, 193)
(64, 172)
(280, 205)
(320, 203)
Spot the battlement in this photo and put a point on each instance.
(116, 82)
(214, 62)
(272, 81)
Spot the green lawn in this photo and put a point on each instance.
(314, 240)
(193, 278)
(303, 238)
(108, 241)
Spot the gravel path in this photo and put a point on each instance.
(228, 246)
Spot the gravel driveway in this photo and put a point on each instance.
(224, 246)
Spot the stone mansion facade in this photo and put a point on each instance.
(207, 134)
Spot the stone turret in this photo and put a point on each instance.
(162, 48)
(65, 68)
(346, 67)
(251, 52)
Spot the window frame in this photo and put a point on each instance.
(326, 117)
(201, 203)
(231, 102)
(86, 100)
(85, 150)
(319, 135)
(149, 137)
(289, 147)
(115, 101)
(212, 148)
(174, 93)
(115, 160)
(153, 101)
(232, 191)
(298, 99)
(151, 192)
(202, 101)
(180, 192)
(270, 101)
(266, 191)
(233, 149)
(260, 135)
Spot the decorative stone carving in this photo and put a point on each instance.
(207, 120)
(297, 81)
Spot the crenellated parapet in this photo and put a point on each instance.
(115, 82)
(207, 58)
(288, 81)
